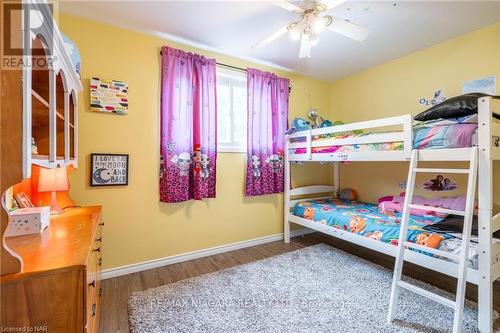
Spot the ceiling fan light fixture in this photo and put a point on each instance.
(305, 46)
(320, 23)
(294, 31)
(295, 34)
(310, 25)
(320, 7)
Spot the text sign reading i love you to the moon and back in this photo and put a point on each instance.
(109, 169)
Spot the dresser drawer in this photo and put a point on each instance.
(66, 250)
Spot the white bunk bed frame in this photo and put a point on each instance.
(488, 269)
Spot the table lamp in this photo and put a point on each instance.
(53, 180)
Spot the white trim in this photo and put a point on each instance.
(485, 204)
(314, 189)
(361, 125)
(231, 149)
(232, 79)
(382, 155)
(155, 263)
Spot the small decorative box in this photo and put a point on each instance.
(25, 221)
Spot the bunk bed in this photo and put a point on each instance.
(331, 144)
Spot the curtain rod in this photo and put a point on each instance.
(231, 66)
(237, 68)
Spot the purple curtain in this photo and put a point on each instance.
(188, 126)
(267, 123)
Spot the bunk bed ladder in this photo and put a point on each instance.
(403, 245)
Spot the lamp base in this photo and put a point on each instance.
(54, 206)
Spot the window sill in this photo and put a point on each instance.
(231, 150)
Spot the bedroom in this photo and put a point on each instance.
(412, 51)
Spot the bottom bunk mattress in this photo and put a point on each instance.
(366, 220)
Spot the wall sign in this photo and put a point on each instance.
(435, 100)
(109, 96)
(485, 85)
(108, 169)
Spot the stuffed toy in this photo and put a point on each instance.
(316, 119)
(298, 125)
(348, 194)
(326, 123)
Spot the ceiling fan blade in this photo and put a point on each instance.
(349, 29)
(305, 46)
(271, 38)
(288, 6)
(329, 4)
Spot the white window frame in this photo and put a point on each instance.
(233, 77)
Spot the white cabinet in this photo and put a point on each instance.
(50, 93)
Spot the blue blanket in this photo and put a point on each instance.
(366, 220)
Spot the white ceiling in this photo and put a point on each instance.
(232, 27)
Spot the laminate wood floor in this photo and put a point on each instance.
(114, 317)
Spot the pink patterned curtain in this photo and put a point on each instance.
(267, 123)
(188, 126)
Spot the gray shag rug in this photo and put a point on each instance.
(315, 289)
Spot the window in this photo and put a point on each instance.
(231, 110)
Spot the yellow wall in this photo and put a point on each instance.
(138, 226)
(395, 88)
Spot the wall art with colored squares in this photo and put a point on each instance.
(108, 96)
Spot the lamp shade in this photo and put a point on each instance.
(53, 180)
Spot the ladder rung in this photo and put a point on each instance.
(434, 170)
(433, 251)
(430, 295)
(438, 209)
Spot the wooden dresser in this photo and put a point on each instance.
(58, 289)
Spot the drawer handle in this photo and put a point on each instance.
(100, 291)
(101, 224)
(94, 308)
(92, 284)
(98, 239)
(100, 262)
(97, 250)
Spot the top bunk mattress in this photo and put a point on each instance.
(424, 137)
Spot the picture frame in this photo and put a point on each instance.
(22, 200)
(108, 96)
(109, 169)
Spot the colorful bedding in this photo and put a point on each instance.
(457, 135)
(365, 219)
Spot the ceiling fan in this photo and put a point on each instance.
(311, 23)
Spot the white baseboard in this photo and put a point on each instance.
(142, 266)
